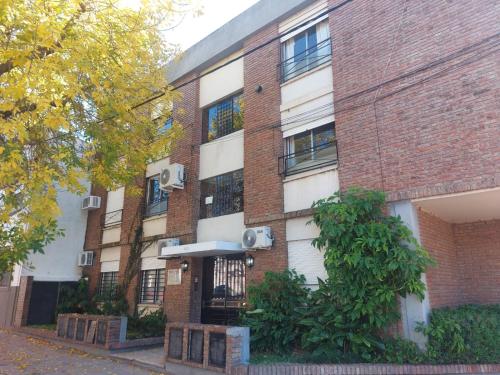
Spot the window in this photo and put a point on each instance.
(305, 51)
(156, 199)
(223, 118)
(310, 149)
(222, 195)
(167, 125)
(109, 282)
(152, 286)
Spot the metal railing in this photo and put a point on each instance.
(315, 157)
(111, 218)
(156, 208)
(306, 60)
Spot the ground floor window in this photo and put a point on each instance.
(108, 284)
(152, 286)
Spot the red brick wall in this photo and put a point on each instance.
(444, 281)
(263, 145)
(433, 131)
(478, 247)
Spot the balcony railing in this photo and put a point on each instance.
(305, 61)
(157, 208)
(111, 218)
(306, 160)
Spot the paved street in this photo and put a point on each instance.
(20, 354)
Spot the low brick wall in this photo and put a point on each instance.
(211, 347)
(364, 369)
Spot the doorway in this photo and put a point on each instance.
(223, 289)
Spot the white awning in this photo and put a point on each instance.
(200, 249)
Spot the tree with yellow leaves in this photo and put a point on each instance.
(72, 73)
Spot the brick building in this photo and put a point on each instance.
(293, 100)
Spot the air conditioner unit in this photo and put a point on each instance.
(86, 258)
(91, 203)
(167, 242)
(257, 238)
(172, 177)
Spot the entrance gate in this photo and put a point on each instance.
(223, 289)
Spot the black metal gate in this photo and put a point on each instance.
(223, 289)
(43, 301)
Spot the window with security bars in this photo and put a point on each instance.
(152, 286)
(108, 284)
(223, 118)
(222, 195)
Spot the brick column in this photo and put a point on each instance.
(23, 301)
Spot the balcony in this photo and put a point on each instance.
(304, 61)
(322, 155)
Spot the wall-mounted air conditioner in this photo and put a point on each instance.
(85, 258)
(257, 238)
(91, 203)
(172, 177)
(167, 242)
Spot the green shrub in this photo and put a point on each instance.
(148, 325)
(75, 299)
(466, 334)
(274, 315)
(370, 258)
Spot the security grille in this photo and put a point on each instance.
(217, 350)
(152, 286)
(70, 333)
(195, 351)
(223, 118)
(108, 284)
(80, 329)
(175, 343)
(101, 332)
(222, 195)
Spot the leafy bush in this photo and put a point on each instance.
(75, 299)
(467, 334)
(149, 325)
(116, 305)
(370, 258)
(274, 315)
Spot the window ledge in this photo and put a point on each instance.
(307, 73)
(154, 217)
(311, 172)
(112, 226)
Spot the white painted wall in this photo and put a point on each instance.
(155, 167)
(60, 259)
(222, 82)
(109, 254)
(302, 16)
(300, 191)
(222, 228)
(222, 155)
(154, 226)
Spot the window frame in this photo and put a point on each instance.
(205, 116)
(310, 152)
(148, 211)
(110, 290)
(219, 194)
(158, 289)
(306, 61)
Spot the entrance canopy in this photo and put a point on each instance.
(463, 207)
(200, 249)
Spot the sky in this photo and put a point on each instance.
(215, 14)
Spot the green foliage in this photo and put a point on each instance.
(112, 305)
(467, 334)
(371, 259)
(148, 325)
(274, 315)
(75, 299)
(397, 350)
